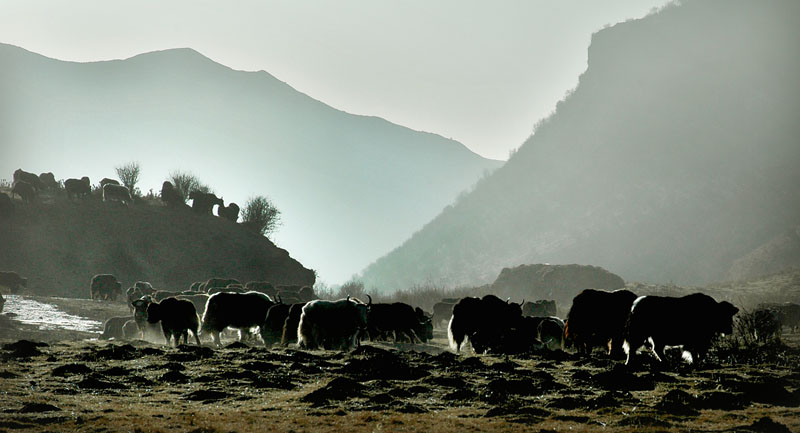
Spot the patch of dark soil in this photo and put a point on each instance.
(595, 362)
(644, 421)
(124, 352)
(767, 391)
(23, 349)
(38, 408)
(258, 366)
(573, 418)
(462, 395)
(173, 376)
(238, 375)
(472, 364)
(722, 400)
(602, 401)
(236, 345)
(275, 382)
(400, 393)
(139, 380)
(15, 425)
(446, 359)
(8, 375)
(678, 402)
(66, 369)
(206, 395)
(541, 376)
(505, 366)
(383, 398)
(659, 377)
(515, 410)
(448, 381)
(43, 420)
(340, 388)
(555, 355)
(115, 371)
(206, 378)
(151, 351)
(97, 382)
(411, 408)
(764, 425)
(188, 353)
(619, 377)
(382, 364)
(419, 389)
(567, 403)
(582, 375)
(173, 366)
(303, 356)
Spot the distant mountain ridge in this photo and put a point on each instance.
(676, 155)
(349, 187)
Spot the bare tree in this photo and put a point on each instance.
(261, 215)
(128, 174)
(185, 183)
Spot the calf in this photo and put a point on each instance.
(113, 327)
(690, 321)
(177, 317)
(105, 287)
(130, 330)
(118, 193)
(272, 329)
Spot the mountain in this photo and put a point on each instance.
(676, 154)
(349, 187)
(778, 254)
(59, 244)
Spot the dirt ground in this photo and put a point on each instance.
(58, 380)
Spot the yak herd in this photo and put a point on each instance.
(282, 314)
(618, 321)
(28, 186)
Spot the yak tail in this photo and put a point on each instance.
(454, 336)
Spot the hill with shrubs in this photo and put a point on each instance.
(59, 243)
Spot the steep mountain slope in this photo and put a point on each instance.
(349, 187)
(676, 154)
(60, 244)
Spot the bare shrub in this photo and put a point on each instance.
(128, 174)
(352, 288)
(261, 215)
(185, 183)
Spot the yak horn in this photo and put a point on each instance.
(370, 300)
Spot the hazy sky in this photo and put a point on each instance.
(481, 72)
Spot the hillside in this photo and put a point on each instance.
(675, 155)
(349, 187)
(60, 244)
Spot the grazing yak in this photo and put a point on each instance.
(48, 180)
(241, 311)
(130, 330)
(690, 321)
(171, 197)
(332, 325)
(263, 287)
(597, 318)
(105, 286)
(177, 317)
(272, 329)
(77, 187)
(6, 205)
(13, 281)
(788, 313)
(399, 320)
(541, 308)
(113, 327)
(24, 190)
(29, 178)
(291, 324)
(486, 322)
(229, 212)
(549, 330)
(442, 312)
(203, 202)
(106, 181)
(118, 193)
